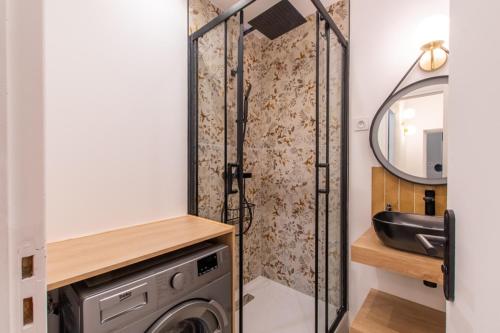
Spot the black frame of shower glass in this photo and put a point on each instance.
(330, 26)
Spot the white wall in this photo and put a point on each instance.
(473, 165)
(384, 43)
(116, 101)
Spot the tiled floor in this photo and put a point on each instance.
(277, 309)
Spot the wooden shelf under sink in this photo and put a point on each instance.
(369, 250)
(385, 313)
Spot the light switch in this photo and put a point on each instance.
(361, 124)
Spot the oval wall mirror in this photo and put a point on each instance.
(408, 136)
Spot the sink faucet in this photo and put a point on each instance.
(430, 202)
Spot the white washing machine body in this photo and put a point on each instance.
(189, 291)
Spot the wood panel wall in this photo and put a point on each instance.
(402, 195)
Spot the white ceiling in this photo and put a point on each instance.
(305, 7)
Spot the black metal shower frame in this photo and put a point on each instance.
(330, 25)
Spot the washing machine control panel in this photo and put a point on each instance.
(186, 276)
(207, 264)
(178, 281)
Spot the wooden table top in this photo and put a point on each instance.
(77, 259)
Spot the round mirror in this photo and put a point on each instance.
(407, 134)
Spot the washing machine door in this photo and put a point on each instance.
(195, 316)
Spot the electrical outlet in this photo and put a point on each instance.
(361, 124)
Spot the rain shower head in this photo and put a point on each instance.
(278, 20)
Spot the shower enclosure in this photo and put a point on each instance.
(268, 112)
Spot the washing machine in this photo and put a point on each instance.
(184, 292)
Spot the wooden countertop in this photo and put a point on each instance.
(385, 313)
(77, 259)
(369, 250)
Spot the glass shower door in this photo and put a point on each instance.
(216, 133)
(210, 129)
(332, 177)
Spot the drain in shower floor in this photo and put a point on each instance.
(247, 298)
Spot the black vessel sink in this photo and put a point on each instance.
(411, 232)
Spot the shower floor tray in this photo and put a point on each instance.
(279, 309)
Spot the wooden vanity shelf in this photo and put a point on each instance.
(369, 250)
(77, 259)
(385, 313)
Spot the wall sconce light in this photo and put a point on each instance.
(408, 130)
(434, 56)
(432, 34)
